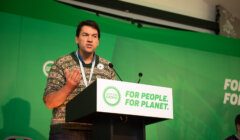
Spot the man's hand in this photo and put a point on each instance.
(73, 78)
(57, 98)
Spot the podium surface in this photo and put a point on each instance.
(118, 106)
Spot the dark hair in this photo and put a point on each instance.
(90, 23)
(237, 120)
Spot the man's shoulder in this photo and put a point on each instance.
(65, 58)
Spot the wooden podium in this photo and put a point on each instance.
(120, 110)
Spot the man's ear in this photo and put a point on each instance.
(76, 40)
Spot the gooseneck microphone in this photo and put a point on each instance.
(111, 66)
(140, 76)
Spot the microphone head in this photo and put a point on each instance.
(140, 74)
(110, 65)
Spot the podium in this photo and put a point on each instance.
(120, 110)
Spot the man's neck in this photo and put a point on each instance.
(86, 57)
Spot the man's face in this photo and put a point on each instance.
(87, 40)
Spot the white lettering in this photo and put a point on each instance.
(233, 99)
(226, 84)
(234, 85)
(226, 98)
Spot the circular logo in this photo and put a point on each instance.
(111, 96)
(100, 66)
(46, 67)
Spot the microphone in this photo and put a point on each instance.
(140, 76)
(111, 66)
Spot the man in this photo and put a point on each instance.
(237, 124)
(71, 74)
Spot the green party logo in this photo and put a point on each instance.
(111, 96)
(46, 67)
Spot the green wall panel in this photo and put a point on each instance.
(26, 44)
(197, 78)
(194, 64)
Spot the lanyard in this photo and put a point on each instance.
(82, 69)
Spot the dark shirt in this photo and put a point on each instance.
(233, 137)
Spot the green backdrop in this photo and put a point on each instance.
(195, 65)
(197, 78)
